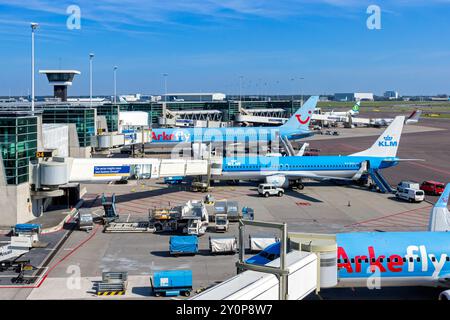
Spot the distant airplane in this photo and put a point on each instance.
(352, 112)
(290, 170)
(349, 117)
(334, 116)
(381, 122)
(296, 127)
(391, 258)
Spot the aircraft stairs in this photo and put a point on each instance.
(288, 146)
(110, 207)
(380, 181)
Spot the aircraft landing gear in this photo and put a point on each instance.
(300, 186)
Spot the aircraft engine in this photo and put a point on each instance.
(278, 180)
(445, 295)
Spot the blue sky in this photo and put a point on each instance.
(206, 45)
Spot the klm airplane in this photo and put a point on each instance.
(392, 258)
(290, 170)
(296, 127)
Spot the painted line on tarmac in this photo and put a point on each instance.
(383, 217)
(45, 274)
(430, 167)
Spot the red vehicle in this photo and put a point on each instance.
(432, 187)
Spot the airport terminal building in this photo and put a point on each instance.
(356, 96)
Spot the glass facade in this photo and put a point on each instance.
(18, 143)
(83, 118)
(111, 113)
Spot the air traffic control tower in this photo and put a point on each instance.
(60, 79)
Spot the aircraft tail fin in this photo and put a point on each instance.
(355, 109)
(387, 144)
(440, 215)
(414, 117)
(302, 118)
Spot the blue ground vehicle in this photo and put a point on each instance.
(183, 245)
(172, 282)
(248, 213)
(269, 254)
(26, 228)
(173, 180)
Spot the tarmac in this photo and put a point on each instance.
(320, 208)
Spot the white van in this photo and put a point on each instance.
(412, 195)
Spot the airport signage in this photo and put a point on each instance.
(111, 171)
(44, 154)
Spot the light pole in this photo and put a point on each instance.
(34, 26)
(266, 93)
(115, 85)
(292, 82)
(278, 88)
(91, 56)
(301, 91)
(165, 75)
(240, 88)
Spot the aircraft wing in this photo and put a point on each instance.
(399, 160)
(297, 136)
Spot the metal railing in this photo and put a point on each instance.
(282, 272)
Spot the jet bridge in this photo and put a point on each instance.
(275, 116)
(52, 174)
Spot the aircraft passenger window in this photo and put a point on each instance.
(339, 260)
(388, 260)
(404, 259)
(448, 259)
(352, 260)
(433, 259)
(381, 260)
(411, 259)
(418, 259)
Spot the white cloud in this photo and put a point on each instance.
(139, 11)
(143, 13)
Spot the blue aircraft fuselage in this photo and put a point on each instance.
(333, 166)
(398, 258)
(233, 134)
(377, 259)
